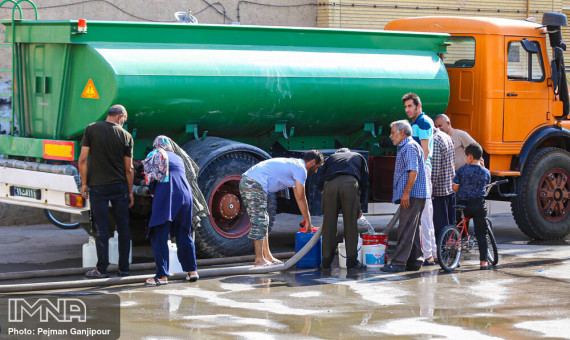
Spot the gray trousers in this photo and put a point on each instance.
(340, 193)
(409, 248)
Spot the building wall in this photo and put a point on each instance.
(372, 14)
(258, 12)
(375, 14)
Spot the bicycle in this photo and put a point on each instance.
(455, 238)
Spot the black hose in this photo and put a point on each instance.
(133, 267)
(241, 270)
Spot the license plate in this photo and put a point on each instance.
(26, 192)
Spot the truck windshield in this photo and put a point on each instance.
(461, 52)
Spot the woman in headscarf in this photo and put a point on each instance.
(171, 210)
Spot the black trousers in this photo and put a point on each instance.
(443, 213)
(100, 196)
(340, 193)
(477, 209)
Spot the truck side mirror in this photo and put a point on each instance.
(529, 46)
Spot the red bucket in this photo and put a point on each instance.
(376, 238)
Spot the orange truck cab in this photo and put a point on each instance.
(510, 98)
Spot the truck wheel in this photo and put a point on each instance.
(224, 232)
(543, 195)
(58, 223)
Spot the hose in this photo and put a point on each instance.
(241, 270)
(392, 222)
(68, 170)
(133, 267)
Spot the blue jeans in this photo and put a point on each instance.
(99, 197)
(186, 251)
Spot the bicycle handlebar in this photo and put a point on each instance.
(498, 183)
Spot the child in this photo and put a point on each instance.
(469, 183)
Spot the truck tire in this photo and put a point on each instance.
(224, 232)
(543, 195)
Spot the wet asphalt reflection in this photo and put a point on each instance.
(522, 297)
(525, 296)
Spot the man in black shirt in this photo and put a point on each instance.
(344, 185)
(108, 177)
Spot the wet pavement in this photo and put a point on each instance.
(525, 296)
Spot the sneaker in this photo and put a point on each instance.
(358, 266)
(123, 274)
(393, 269)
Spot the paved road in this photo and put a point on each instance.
(526, 296)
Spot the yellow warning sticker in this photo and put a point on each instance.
(60, 150)
(90, 91)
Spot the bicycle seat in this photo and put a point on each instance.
(460, 207)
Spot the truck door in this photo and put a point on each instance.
(526, 93)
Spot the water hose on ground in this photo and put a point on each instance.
(241, 270)
(133, 267)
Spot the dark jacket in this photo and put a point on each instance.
(346, 163)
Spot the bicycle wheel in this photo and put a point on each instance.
(489, 224)
(492, 252)
(449, 248)
(59, 224)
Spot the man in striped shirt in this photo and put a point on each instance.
(443, 171)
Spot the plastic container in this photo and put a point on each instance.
(313, 258)
(114, 250)
(174, 265)
(374, 255)
(342, 253)
(376, 238)
(89, 253)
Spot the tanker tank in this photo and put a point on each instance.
(233, 81)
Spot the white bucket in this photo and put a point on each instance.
(342, 253)
(114, 250)
(374, 255)
(89, 253)
(174, 265)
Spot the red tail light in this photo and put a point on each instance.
(74, 200)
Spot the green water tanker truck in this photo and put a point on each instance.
(231, 96)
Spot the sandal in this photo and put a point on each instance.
(154, 281)
(192, 277)
(94, 274)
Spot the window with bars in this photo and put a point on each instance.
(461, 52)
(522, 65)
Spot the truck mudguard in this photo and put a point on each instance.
(540, 136)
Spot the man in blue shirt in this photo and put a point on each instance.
(422, 132)
(270, 176)
(411, 191)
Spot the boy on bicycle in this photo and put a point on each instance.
(469, 184)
